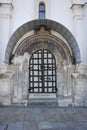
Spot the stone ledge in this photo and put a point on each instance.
(5, 1)
(78, 2)
(6, 75)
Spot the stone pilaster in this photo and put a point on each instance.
(80, 86)
(5, 16)
(79, 30)
(85, 21)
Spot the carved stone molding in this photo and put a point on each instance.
(43, 39)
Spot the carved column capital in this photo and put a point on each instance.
(78, 11)
(6, 8)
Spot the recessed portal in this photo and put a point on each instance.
(42, 72)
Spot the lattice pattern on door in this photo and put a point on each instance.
(42, 72)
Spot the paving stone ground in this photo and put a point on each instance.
(35, 118)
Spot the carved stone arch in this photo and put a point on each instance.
(46, 41)
(49, 25)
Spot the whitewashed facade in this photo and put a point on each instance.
(63, 31)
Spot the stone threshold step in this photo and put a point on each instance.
(42, 98)
(43, 104)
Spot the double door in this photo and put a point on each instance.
(42, 72)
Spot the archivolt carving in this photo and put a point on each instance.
(46, 41)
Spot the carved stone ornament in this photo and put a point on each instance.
(43, 39)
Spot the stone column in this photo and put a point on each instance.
(5, 16)
(21, 79)
(75, 86)
(78, 17)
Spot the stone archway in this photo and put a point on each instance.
(49, 25)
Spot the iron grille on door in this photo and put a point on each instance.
(42, 72)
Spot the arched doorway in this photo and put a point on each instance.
(42, 72)
(52, 55)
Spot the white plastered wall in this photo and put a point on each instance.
(57, 10)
